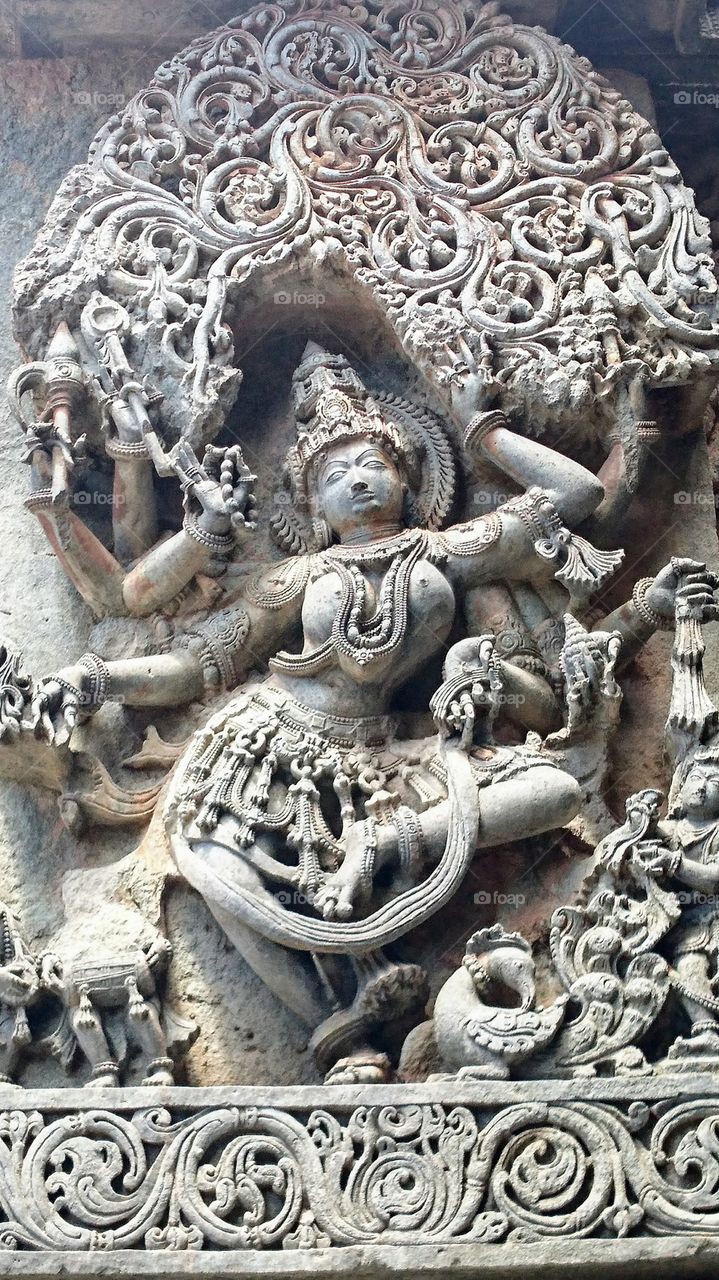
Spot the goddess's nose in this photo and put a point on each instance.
(359, 486)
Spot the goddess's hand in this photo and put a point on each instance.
(218, 493)
(57, 705)
(686, 580)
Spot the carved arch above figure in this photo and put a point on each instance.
(518, 223)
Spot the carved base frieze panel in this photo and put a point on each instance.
(314, 1179)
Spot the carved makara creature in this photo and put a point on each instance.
(485, 1016)
(602, 953)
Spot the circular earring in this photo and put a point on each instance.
(322, 533)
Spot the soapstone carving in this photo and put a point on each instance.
(305, 819)
(551, 286)
(110, 984)
(485, 1016)
(358, 680)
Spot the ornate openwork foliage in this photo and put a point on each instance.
(189, 1175)
(475, 179)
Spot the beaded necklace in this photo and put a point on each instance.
(366, 639)
(362, 639)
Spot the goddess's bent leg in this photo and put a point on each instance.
(540, 799)
(287, 973)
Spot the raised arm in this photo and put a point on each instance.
(219, 504)
(528, 534)
(653, 603)
(574, 491)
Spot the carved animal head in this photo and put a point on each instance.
(501, 967)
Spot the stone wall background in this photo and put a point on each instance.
(64, 67)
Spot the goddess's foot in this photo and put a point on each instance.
(337, 897)
(104, 1076)
(361, 1068)
(159, 1072)
(159, 1078)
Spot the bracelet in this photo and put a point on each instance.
(480, 426)
(39, 500)
(369, 856)
(645, 611)
(99, 674)
(215, 541)
(159, 1064)
(103, 1068)
(409, 839)
(648, 430)
(121, 450)
(71, 688)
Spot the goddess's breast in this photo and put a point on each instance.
(430, 612)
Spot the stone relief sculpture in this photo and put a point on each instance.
(253, 802)
(111, 991)
(19, 989)
(483, 1040)
(357, 686)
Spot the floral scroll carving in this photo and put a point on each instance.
(245, 1177)
(514, 219)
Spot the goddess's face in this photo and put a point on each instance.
(700, 792)
(358, 486)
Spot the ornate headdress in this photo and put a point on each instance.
(332, 404)
(706, 756)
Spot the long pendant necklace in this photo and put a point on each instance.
(367, 639)
(364, 640)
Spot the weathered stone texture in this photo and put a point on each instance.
(337, 325)
(50, 110)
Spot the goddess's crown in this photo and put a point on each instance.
(332, 404)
